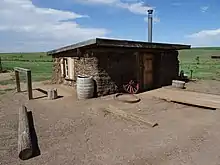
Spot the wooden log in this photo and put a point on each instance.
(25, 150)
(129, 116)
(17, 79)
(29, 85)
(52, 94)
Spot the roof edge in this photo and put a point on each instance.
(105, 42)
(139, 44)
(73, 46)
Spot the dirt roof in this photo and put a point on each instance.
(98, 42)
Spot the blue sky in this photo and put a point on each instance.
(41, 25)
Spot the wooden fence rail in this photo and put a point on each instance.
(29, 81)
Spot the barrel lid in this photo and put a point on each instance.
(84, 76)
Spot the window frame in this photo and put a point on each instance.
(67, 71)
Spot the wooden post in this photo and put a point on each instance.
(29, 85)
(29, 81)
(52, 94)
(17, 81)
(25, 149)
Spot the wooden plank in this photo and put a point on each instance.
(187, 97)
(29, 85)
(17, 79)
(129, 116)
(148, 70)
(21, 69)
(62, 67)
(25, 149)
(71, 68)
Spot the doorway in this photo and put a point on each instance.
(148, 79)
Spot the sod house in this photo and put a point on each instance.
(113, 63)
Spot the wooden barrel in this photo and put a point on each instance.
(178, 84)
(84, 87)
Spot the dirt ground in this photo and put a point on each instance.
(82, 132)
(205, 86)
(5, 76)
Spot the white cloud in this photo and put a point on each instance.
(205, 38)
(37, 28)
(134, 6)
(204, 9)
(139, 8)
(206, 34)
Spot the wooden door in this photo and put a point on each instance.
(148, 71)
(71, 68)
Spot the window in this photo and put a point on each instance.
(67, 68)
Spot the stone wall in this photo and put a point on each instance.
(56, 73)
(110, 70)
(118, 69)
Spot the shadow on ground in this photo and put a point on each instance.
(34, 139)
(42, 91)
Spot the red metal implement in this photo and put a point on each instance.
(131, 87)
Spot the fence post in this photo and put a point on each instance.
(29, 85)
(17, 81)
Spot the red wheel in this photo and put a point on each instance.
(131, 87)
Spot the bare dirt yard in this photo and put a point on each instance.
(205, 86)
(5, 76)
(82, 132)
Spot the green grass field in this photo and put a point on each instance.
(26, 57)
(199, 61)
(196, 59)
(39, 63)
